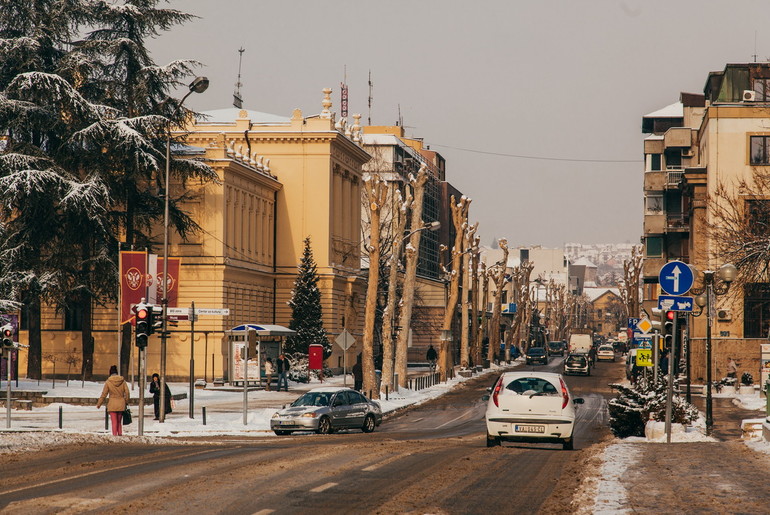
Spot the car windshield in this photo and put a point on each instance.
(313, 399)
(530, 385)
(554, 345)
(536, 351)
(576, 360)
(606, 349)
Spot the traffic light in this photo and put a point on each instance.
(7, 337)
(668, 330)
(143, 326)
(156, 318)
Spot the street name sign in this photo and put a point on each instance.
(675, 303)
(199, 311)
(675, 278)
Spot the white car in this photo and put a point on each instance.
(605, 353)
(531, 407)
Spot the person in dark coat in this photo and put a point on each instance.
(155, 391)
(282, 367)
(358, 375)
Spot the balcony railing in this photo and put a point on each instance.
(674, 177)
(677, 221)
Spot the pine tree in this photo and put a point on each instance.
(306, 314)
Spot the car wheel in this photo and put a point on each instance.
(369, 424)
(281, 433)
(324, 426)
(569, 444)
(493, 441)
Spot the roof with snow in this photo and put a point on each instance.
(675, 110)
(229, 115)
(595, 293)
(584, 262)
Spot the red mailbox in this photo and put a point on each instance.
(316, 357)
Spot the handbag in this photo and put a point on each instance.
(127, 416)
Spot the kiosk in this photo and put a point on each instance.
(269, 344)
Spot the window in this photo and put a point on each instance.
(760, 150)
(673, 159)
(756, 310)
(653, 246)
(762, 89)
(73, 318)
(504, 297)
(653, 204)
(655, 162)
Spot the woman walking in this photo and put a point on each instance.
(268, 373)
(116, 389)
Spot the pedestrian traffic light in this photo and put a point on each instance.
(143, 330)
(7, 337)
(668, 330)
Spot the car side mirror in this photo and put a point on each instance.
(489, 389)
(578, 400)
(485, 398)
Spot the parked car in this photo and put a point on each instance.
(327, 409)
(530, 407)
(537, 355)
(577, 363)
(630, 362)
(555, 348)
(605, 353)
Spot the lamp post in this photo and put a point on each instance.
(199, 85)
(714, 283)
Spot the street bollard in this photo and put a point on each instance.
(106, 419)
(395, 383)
(203, 413)
(60, 416)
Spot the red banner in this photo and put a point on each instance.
(133, 282)
(174, 265)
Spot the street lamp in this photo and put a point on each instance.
(715, 283)
(199, 85)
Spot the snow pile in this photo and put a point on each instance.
(605, 488)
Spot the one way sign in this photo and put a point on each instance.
(672, 303)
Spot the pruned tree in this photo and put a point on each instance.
(376, 192)
(410, 274)
(497, 274)
(460, 221)
(474, 302)
(520, 277)
(465, 335)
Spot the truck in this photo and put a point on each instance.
(580, 341)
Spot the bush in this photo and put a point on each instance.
(747, 379)
(299, 371)
(646, 400)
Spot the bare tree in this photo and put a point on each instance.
(630, 287)
(497, 273)
(410, 275)
(376, 193)
(474, 271)
(520, 277)
(468, 239)
(460, 221)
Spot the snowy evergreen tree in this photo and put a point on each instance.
(306, 315)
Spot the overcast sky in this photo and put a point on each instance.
(564, 83)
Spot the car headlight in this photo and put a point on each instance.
(312, 414)
(276, 415)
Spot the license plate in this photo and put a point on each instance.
(285, 422)
(530, 429)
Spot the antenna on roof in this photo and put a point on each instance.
(344, 94)
(400, 121)
(237, 99)
(371, 86)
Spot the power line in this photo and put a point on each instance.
(540, 158)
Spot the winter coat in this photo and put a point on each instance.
(268, 368)
(283, 365)
(116, 388)
(155, 391)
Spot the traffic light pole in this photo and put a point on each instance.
(142, 386)
(670, 390)
(7, 352)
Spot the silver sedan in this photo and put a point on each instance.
(327, 409)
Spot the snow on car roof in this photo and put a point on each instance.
(330, 389)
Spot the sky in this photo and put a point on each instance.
(536, 105)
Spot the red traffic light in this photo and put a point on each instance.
(7, 333)
(142, 314)
(670, 315)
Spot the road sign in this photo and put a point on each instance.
(644, 342)
(674, 303)
(345, 340)
(632, 323)
(644, 358)
(644, 325)
(675, 278)
(198, 311)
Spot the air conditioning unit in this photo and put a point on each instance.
(724, 315)
(749, 95)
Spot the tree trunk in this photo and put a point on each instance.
(399, 225)
(410, 275)
(376, 191)
(498, 275)
(466, 304)
(87, 341)
(484, 302)
(35, 351)
(475, 336)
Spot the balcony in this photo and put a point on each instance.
(655, 181)
(677, 222)
(655, 223)
(674, 177)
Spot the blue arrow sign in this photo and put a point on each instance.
(675, 278)
(673, 303)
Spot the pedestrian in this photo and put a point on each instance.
(431, 356)
(116, 389)
(732, 368)
(663, 363)
(283, 372)
(268, 373)
(155, 391)
(358, 374)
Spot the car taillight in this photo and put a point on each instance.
(498, 387)
(564, 394)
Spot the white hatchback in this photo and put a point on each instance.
(531, 407)
(605, 353)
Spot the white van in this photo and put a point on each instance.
(630, 361)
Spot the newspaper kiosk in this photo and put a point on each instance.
(269, 344)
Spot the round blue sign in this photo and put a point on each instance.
(675, 278)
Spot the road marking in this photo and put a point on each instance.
(323, 487)
(372, 467)
(263, 512)
(450, 421)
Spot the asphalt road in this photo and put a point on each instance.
(428, 459)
